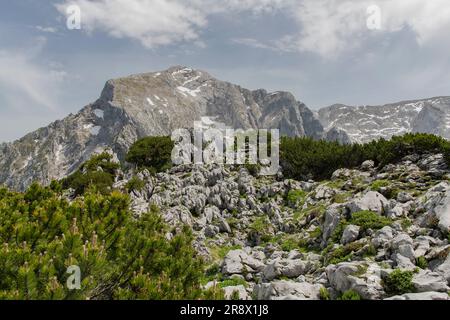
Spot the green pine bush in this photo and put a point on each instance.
(399, 282)
(120, 257)
(369, 220)
(97, 174)
(152, 153)
(304, 158)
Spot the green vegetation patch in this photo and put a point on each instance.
(369, 220)
(235, 281)
(379, 184)
(324, 294)
(364, 219)
(399, 282)
(305, 158)
(97, 174)
(219, 253)
(135, 184)
(42, 234)
(296, 198)
(343, 253)
(350, 295)
(152, 153)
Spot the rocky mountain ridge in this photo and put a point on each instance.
(365, 123)
(142, 105)
(156, 103)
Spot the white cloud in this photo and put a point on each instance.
(325, 27)
(253, 43)
(331, 27)
(256, 6)
(47, 29)
(430, 20)
(159, 22)
(152, 22)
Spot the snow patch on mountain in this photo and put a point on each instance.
(186, 91)
(95, 130)
(99, 113)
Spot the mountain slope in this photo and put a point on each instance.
(144, 105)
(366, 123)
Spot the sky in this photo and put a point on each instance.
(355, 52)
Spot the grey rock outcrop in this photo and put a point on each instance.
(233, 290)
(444, 269)
(350, 234)
(421, 296)
(372, 201)
(426, 281)
(239, 261)
(348, 276)
(287, 290)
(290, 268)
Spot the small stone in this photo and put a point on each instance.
(350, 234)
(367, 165)
(404, 197)
(242, 294)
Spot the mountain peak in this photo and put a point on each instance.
(148, 104)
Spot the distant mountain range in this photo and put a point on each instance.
(158, 103)
(366, 123)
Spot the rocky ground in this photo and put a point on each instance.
(274, 238)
